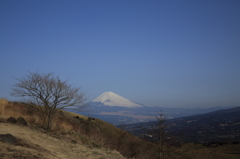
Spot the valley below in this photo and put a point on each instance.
(217, 126)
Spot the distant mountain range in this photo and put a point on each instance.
(116, 109)
(221, 125)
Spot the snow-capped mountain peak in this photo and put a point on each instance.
(112, 99)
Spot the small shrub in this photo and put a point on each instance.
(21, 121)
(95, 145)
(12, 120)
(74, 142)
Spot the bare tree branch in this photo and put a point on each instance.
(49, 93)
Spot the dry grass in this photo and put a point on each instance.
(92, 132)
(63, 141)
(3, 103)
(32, 116)
(36, 144)
(76, 136)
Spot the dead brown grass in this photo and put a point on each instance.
(32, 116)
(37, 144)
(76, 136)
(89, 131)
(92, 132)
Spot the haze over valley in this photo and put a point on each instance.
(117, 110)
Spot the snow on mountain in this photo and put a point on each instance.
(112, 99)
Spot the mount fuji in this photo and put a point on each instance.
(112, 99)
(117, 110)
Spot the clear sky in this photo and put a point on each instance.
(168, 53)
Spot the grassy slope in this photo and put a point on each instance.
(37, 143)
(80, 137)
(34, 143)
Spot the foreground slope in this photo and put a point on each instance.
(76, 136)
(67, 139)
(34, 143)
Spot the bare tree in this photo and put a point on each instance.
(49, 94)
(158, 133)
(166, 141)
(159, 130)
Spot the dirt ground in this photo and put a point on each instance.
(35, 144)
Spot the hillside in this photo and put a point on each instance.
(60, 143)
(75, 136)
(221, 125)
(35, 143)
(69, 133)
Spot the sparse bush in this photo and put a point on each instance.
(21, 121)
(12, 120)
(89, 118)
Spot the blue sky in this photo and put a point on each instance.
(166, 53)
